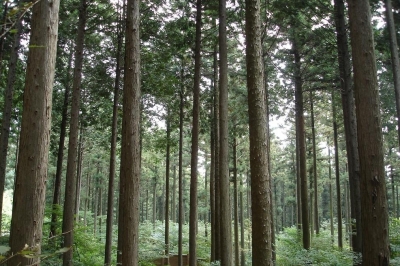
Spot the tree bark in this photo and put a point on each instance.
(69, 202)
(8, 104)
(316, 212)
(301, 142)
(374, 215)
(225, 209)
(114, 133)
(130, 152)
(260, 177)
(350, 122)
(195, 141)
(167, 192)
(180, 171)
(29, 192)
(79, 175)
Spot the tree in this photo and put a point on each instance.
(29, 193)
(70, 187)
(195, 141)
(260, 178)
(130, 152)
(374, 213)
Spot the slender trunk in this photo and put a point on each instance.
(337, 174)
(316, 212)
(298, 186)
(173, 202)
(180, 173)
(113, 148)
(393, 190)
(68, 215)
(350, 122)
(167, 171)
(300, 134)
(195, 141)
(225, 210)
(235, 203)
(2, 32)
(8, 105)
(86, 199)
(79, 175)
(395, 59)
(330, 193)
(242, 252)
(60, 154)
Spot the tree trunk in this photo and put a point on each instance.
(374, 216)
(242, 252)
(330, 193)
(8, 104)
(301, 142)
(225, 210)
(2, 32)
(68, 215)
(31, 175)
(130, 152)
(395, 59)
(195, 141)
(260, 177)
(79, 175)
(180, 172)
(60, 153)
(235, 203)
(316, 212)
(167, 171)
(337, 174)
(350, 122)
(114, 133)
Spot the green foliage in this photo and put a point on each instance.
(290, 252)
(394, 238)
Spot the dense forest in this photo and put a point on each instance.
(172, 132)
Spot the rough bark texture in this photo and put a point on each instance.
(375, 241)
(70, 189)
(60, 153)
(30, 184)
(6, 118)
(350, 123)
(395, 59)
(301, 142)
(195, 141)
(130, 152)
(225, 211)
(260, 178)
(111, 174)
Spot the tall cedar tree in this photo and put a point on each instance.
(113, 148)
(195, 140)
(350, 122)
(301, 143)
(130, 152)
(70, 182)
(30, 184)
(395, 59)
(260, 178)
(375, 228)
(7, 111)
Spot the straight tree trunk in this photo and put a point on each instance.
(6, 116)
(60, 153)
(374, 215)
(337, 174)
(260, 177)
(301, 142)
(217, 199)
(167, 171)
(242, 252)
(180, 172)
(114, 133)
(79, 175)
(3, 31)
(173, 202)
(330, 194)
(395, 59)
(225, 210)
(31, 175)
(350, 122)
(69, 201)
(195, 141)
(130, 152)
(316, 212)
(235, 203)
